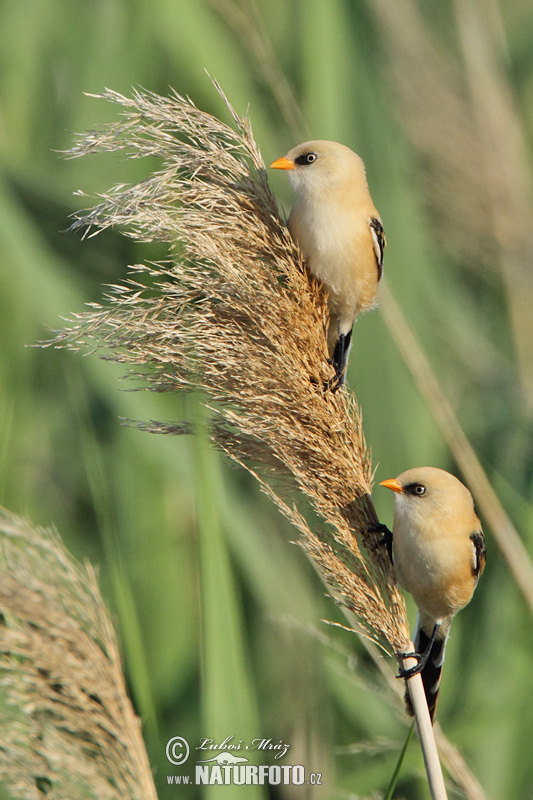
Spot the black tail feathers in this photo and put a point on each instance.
(431, 672)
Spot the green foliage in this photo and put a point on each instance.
(218, 614)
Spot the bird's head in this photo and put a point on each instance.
(320, 166)
(425, 493)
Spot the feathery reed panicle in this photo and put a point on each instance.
(69, 729)
(233, 314)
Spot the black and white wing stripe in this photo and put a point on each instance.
(378, 237)
(479, 554)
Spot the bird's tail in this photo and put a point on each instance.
(431, 672)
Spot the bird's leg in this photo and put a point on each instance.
(340, 358)
(386, 539)
(421, 658)
(339, 355)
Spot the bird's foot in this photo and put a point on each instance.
(421, 659)
(379, 527)
(338, 379)
(386, 539)
(335, 383)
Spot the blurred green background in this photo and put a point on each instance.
(219, 615)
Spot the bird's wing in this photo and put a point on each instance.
(378, 237)
(479, 555)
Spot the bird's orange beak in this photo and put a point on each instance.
(393, 484)
(282, 163)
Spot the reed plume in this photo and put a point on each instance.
(232, 313)
(69, 730)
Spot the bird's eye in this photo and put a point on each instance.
(417, 489)
(306, 158)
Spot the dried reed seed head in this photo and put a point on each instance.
(69, 728)
(233, 313)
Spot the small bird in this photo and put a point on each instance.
(439, 553)
(336, 226)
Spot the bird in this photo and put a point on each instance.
(439, 554)
(339, 232)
